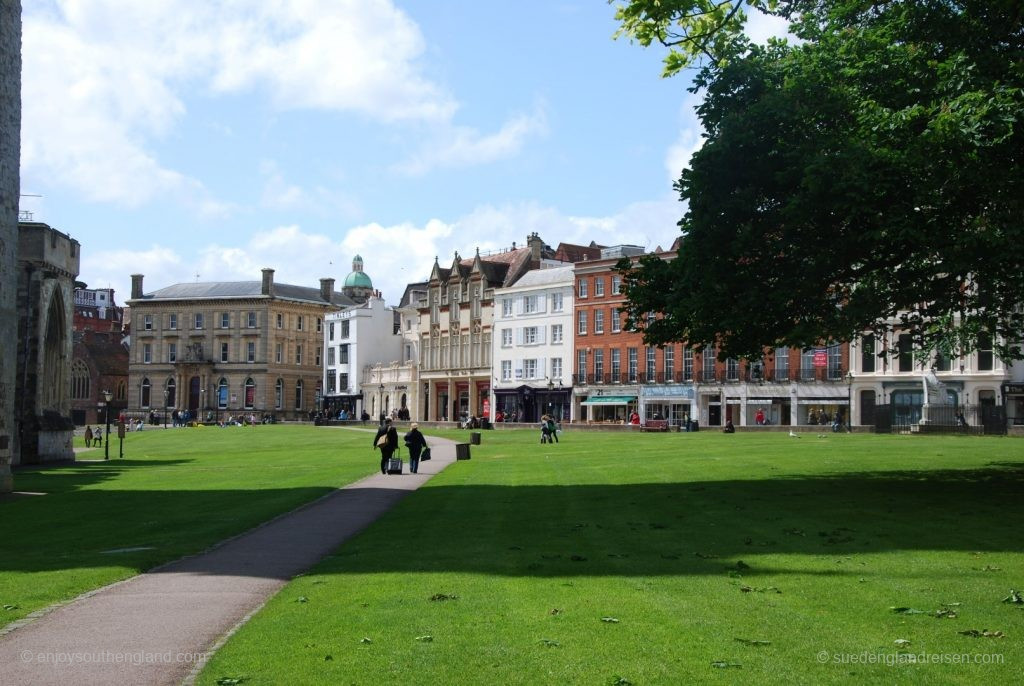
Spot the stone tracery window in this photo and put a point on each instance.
(80, 381)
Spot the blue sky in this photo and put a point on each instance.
(203, 141)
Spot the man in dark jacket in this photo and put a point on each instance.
(389, 446)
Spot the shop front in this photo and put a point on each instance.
(1013, 397)
(528, 403)
(342, 406)
(607, 409)
(674, 402)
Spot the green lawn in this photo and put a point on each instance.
(176, 492)
(669, 559)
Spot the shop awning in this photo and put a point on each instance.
(609, 400)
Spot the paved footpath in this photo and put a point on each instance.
(152, 628)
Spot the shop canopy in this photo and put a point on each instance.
(609, 400)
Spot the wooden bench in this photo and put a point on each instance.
(655, 425)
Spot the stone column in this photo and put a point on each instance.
(453, 400)
(10, 156)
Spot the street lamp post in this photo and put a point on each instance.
(849, 401)
(107, 397)
(165, 408)
(383, 414)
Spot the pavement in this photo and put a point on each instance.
(158, 627)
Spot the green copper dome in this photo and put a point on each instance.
(358, 278)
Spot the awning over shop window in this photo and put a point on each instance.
(609, 400)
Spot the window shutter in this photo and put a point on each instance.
(519, 335)
(541, 332)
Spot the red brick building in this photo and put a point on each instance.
(99, 359)
(616, 375)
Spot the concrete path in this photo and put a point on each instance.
(153, 628)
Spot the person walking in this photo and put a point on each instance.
(387, 441)
(416, 444)
(88, 436)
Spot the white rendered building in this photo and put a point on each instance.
(532, 346)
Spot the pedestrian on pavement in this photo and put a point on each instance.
(416, 444)
(88, 436)
(387, 441)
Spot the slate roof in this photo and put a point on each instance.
(221, 290)
(546, 277)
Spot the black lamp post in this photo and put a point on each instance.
(383, 413)
(107, 397)
(165, 408)
(849, 401)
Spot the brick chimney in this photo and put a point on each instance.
(268, 282)
(326, 289)
(136, 286)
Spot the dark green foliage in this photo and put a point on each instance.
(868, 177)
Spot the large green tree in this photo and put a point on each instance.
(867, 176)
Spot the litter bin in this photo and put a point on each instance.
(462, 451)
(474, 437)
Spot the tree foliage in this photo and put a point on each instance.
(867, 177)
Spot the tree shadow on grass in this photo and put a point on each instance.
(626, 530)
(692, 528)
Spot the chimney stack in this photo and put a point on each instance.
(268, 282)
(326, 289)
(136, 286)
(536, 245)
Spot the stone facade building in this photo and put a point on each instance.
(455, 328)
(221, 349)
(10, 157)
(397, 381)
(47, 265)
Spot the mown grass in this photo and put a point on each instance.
(176, 492)
(719, 558)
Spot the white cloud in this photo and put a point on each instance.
(110, 268)
(760, 27)
(393, 255)
(689, 140)
(280, 194)
(357, 55)
(463, 147)
(648, 224)
(103, 78)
